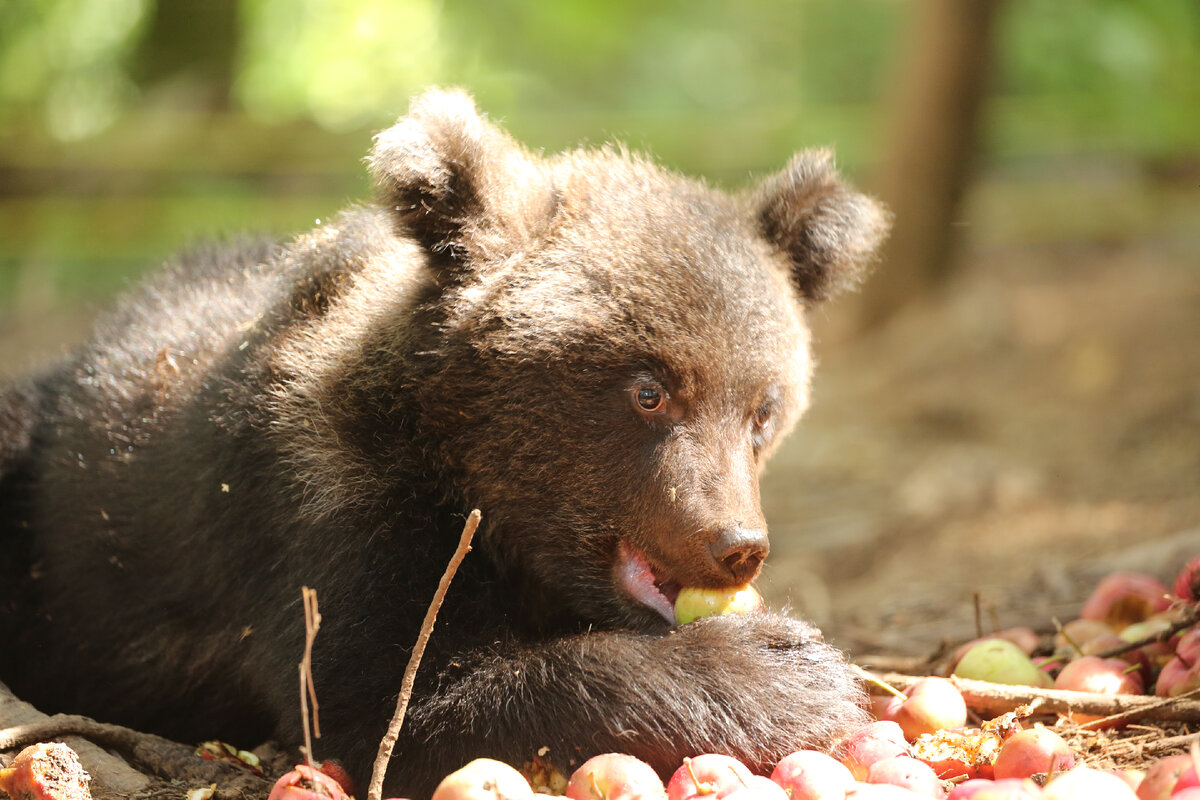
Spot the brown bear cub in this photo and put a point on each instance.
(598, 353)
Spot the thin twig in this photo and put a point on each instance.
(1189, 618)
(308, 690)
(993, 699)
(375, 791)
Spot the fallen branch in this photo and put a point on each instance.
(375, 791)
(1190, 617)
(166, 759)
(993, 699)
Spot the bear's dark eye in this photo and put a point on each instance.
(650, 399)
(762, 415)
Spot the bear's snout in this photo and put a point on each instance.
(739, 551)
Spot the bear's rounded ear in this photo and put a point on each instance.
(831, 232)
(454, 181)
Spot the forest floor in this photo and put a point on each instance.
(1032, 427)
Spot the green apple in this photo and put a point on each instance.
(695, 602)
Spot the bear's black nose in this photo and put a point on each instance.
(740, 550)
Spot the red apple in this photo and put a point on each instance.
(615, 776)
(1032, 751)
(809, 775)
(1099, 676)
(1178, 677)
(929, 705)
(1005, 789)
(1187, 583)
(306, 783)
(1123, 598)
(757, 788)
(1162, 776)
(1132, 777)
(907, 772)
(1084, 783)
(1188, 646)
(875, 742)
(707, 776)
(484, 779)
(882, 791)
(1074, 635)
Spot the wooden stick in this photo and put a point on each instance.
(308, 690)
(993, 699)
(375, 791)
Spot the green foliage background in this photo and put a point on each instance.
(121, 139)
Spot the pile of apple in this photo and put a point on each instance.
(920, 745)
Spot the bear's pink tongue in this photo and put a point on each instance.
(637, 577)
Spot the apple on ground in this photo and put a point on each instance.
(707, 776)
(929, 705)
(307, 783)
(1177, 677)
(1084, 783)
(1123, 598)
(484, 779)
(757, 787)
(869, 744)
(1187, 583)
(1031, 752)
(615, 776)
(1099, 676)
(1072, 638)
(1000, 661)
(1003, 789)
(1161, 777)
(810, 775)
(907, 772)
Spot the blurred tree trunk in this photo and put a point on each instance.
(931, 149)
(190, 48)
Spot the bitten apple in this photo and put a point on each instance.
(695, 602)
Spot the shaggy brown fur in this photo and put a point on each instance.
(598, 353)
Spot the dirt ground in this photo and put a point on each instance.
(1030, 429)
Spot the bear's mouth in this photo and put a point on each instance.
(650, 587)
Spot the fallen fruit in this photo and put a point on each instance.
(46, 771)
(1004, 789)
(1099, 676)
(907, 772)
(1000, 661)
(810, 775)
(306, 783)
(707, 776)
(875, 742)
(615, 776)
(695, 602)
(1160, 780)
(484, 779)
(1123, 598)
(757, 788)
(1083, 783)
(929, 705)
(1033, 751)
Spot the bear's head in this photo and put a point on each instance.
(608, 352)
